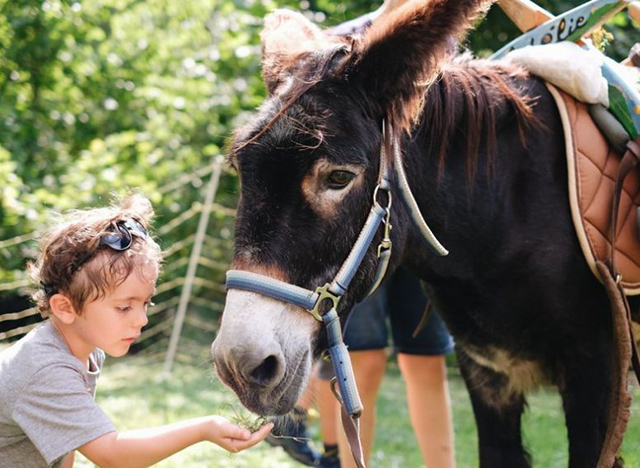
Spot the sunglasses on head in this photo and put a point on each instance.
(120, 238)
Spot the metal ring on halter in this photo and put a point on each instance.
(333, 384)
(390, 197)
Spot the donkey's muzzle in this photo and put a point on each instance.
(243, 366)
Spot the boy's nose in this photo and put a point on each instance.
(142, 318)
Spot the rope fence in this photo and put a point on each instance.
(189, 294)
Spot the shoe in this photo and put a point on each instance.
(329, 459)
(295, 440)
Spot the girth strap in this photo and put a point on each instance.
(629, 161)
(625, 348)
(619, 398)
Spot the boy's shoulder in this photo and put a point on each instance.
(41, 348)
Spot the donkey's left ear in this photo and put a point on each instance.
(287, 36)
(403, 50)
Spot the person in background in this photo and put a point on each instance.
(399, 305)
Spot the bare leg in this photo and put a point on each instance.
(368, 367)
(328, 409)
(429, 407)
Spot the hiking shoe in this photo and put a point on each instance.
(294, 439)
(329, 459)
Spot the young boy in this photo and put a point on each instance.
(97, 272)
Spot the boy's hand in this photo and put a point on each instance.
(234, 438)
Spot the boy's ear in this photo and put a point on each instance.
(62, 308)
(404, 48)
(286, 36)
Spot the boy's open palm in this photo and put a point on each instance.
(235, 438)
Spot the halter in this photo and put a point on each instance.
(312, 301)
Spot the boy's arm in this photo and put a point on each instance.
(68, 462)
(144, 447)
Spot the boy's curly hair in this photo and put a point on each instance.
(73, 262)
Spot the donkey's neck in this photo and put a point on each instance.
(474, 113)
(467, 105)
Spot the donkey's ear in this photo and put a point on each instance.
(286, 36)
(403, 49)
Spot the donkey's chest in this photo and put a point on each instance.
(523, 374)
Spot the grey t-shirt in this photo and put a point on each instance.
(47, 406)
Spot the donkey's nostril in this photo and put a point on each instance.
(265, 373)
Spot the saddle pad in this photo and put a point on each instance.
(592, 169)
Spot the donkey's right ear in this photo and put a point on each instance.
(286, 37)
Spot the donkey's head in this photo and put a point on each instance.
(308, 164)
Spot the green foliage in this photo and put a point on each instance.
(107, 96)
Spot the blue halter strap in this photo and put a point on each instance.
(312, 301)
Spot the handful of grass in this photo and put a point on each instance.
(243, 418)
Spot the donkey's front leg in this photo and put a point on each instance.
(585, 396)
(498, 411)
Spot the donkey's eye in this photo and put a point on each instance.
(339, 179)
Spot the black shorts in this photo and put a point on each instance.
(399, 304)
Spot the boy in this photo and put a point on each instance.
(97, 272)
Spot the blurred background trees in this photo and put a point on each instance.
(103, 96)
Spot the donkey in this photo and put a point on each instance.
(482, 145)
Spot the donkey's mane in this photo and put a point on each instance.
(466, 97)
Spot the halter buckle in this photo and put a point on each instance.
(385, 243)
(323, 293)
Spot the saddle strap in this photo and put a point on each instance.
(619, 397)
(629, 161)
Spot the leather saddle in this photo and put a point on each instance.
(593, 168)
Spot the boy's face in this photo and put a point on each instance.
(114, 322)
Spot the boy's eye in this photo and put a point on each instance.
(124, 309)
